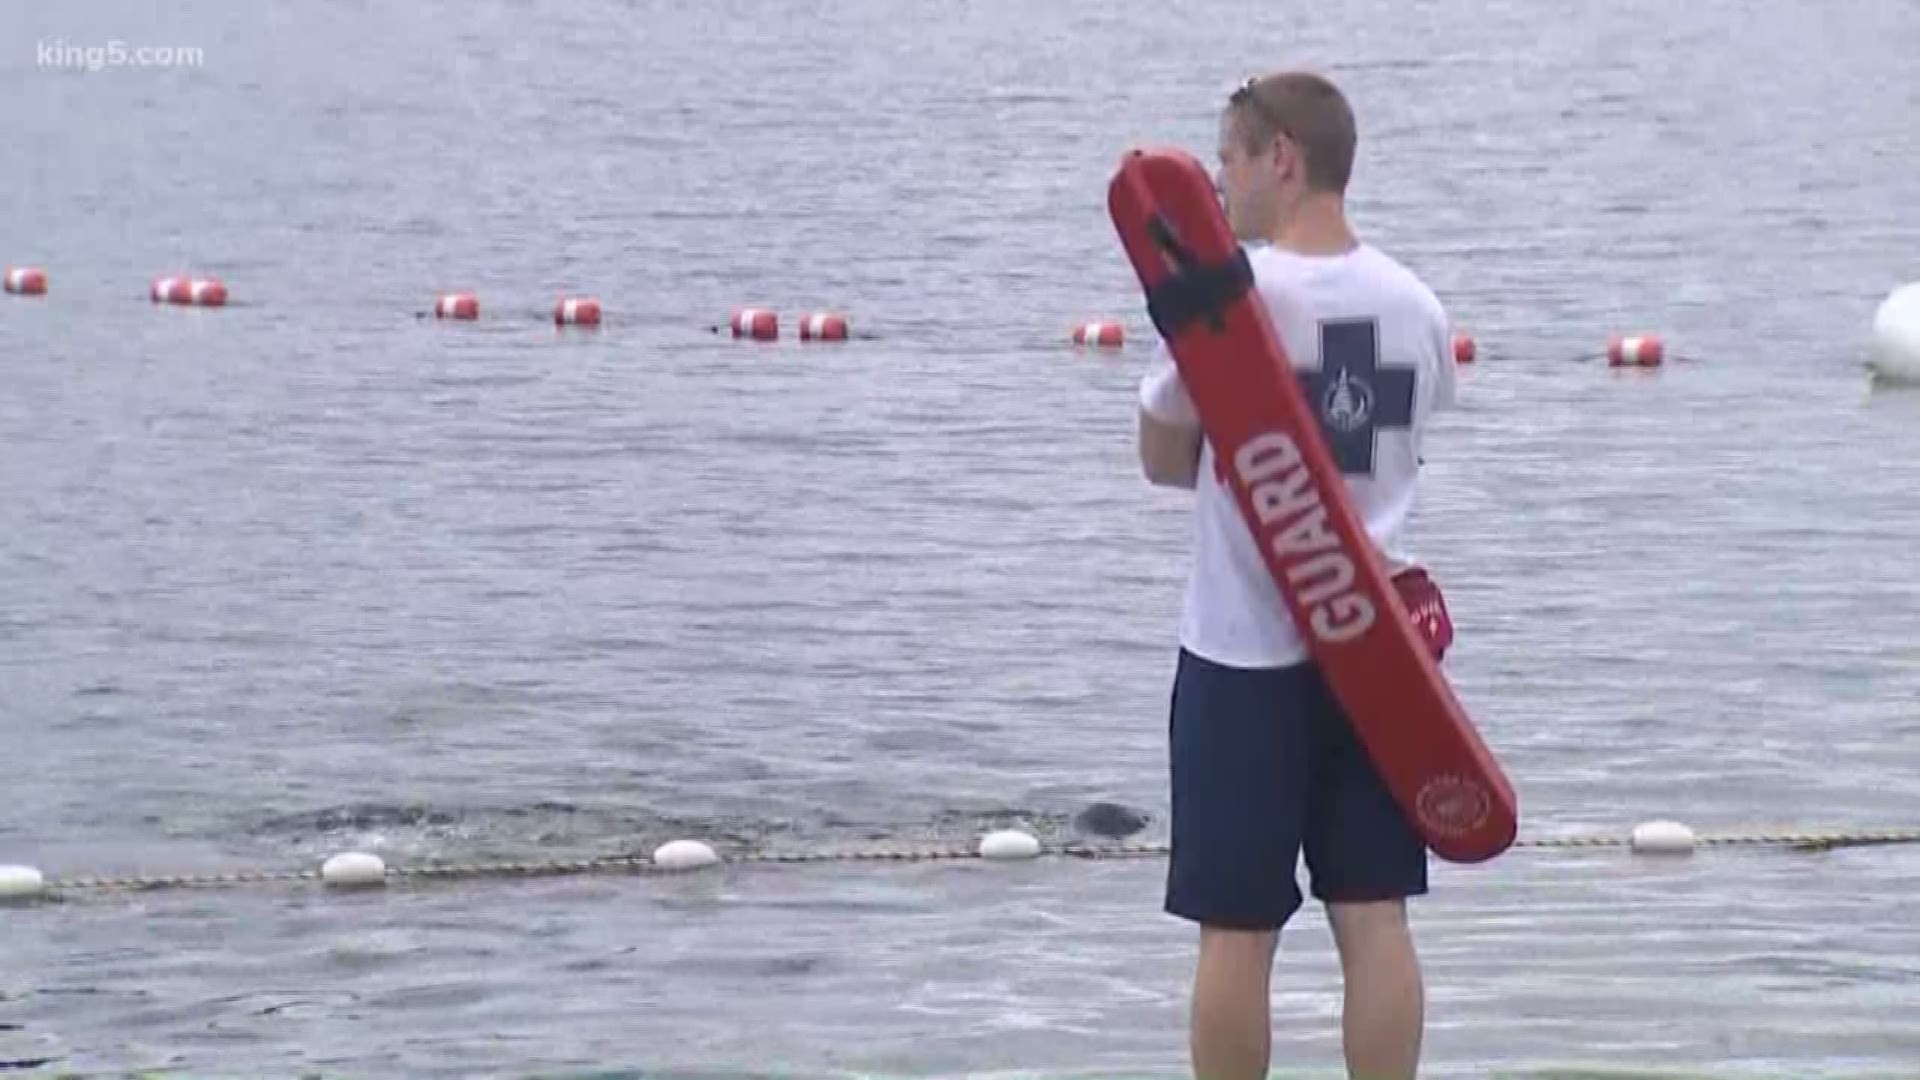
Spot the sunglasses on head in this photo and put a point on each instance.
(1249, 94)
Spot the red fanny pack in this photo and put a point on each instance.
(1427, 608)
(1418, 592)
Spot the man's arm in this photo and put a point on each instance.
(1169, 453)
(1169, 436)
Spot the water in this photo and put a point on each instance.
(310, 573)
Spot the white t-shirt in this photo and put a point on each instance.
(1374, 349)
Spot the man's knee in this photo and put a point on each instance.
(1233, 946)
(1368, 925)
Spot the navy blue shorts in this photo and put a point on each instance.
(1265, 767)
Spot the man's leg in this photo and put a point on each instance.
(1384, 1012)
(1366, 860)
(1238, 754)
(1231, 1033)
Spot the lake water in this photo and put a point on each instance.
(311, 573)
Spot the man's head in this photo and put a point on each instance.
(1283, 139)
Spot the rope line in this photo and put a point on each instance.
(25, 883)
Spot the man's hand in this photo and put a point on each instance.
(1426, 607)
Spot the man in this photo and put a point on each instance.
(1263, 762)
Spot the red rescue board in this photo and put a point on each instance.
(1277, 463)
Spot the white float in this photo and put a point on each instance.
(21, 883)
(1663, 838)
(1896, 336)
(684, 855)
(354, 869)
(1009, 844)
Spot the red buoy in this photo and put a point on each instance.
(756, 323)
(823, 327)
(194, 292)
(577, 311)
(1464, 349)
(1105, 335)
(1639, 350)
(456, 306)
(26, 281)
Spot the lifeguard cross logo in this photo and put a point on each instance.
(1353, 395)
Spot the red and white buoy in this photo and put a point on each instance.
(820, 326)
(1464, 349)
(577, 311)
(1105, 335)
(456, 306)
(194, 292)
(1638, 350)
(756, 323)
(26, 281)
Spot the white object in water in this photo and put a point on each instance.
(21, 883)
(1009, 844)
(354, 868)
(684, 855)
(1663, 838)
(1896, 336)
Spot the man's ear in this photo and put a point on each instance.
(1286, 157)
